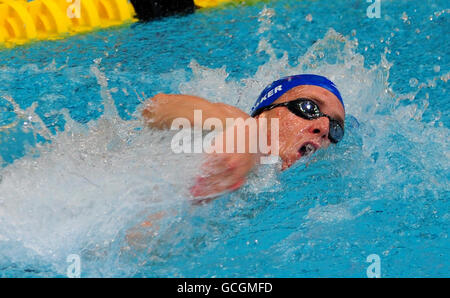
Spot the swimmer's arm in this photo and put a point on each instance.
(222, 172)
(160, 111)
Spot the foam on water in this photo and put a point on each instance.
(83, 189)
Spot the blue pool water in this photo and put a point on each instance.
(79, 172)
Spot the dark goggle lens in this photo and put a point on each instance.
(336, 131)
(309, 109)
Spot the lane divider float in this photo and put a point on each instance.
(23, 21)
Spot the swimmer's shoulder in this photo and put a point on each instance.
(232, 111)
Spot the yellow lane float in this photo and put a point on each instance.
(23, 21)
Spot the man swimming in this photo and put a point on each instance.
(309, 110)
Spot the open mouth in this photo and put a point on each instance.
(307, 149)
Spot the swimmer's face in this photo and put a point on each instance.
(300, 137)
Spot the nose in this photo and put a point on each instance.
(321, 128)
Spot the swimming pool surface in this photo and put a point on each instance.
(79, 173)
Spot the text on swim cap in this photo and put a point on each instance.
(272, 92)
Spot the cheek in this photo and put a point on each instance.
(292, 129)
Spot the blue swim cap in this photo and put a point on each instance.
(278, 88)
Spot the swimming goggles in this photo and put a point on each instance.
(309, 110)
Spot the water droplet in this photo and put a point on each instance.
(404, 17)
(413, 82)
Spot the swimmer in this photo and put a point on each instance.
(309, 110)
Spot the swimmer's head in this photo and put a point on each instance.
(311, 114)
(275, 90)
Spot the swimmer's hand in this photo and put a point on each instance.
(160, 110)
(221, 173)
(224, 172)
